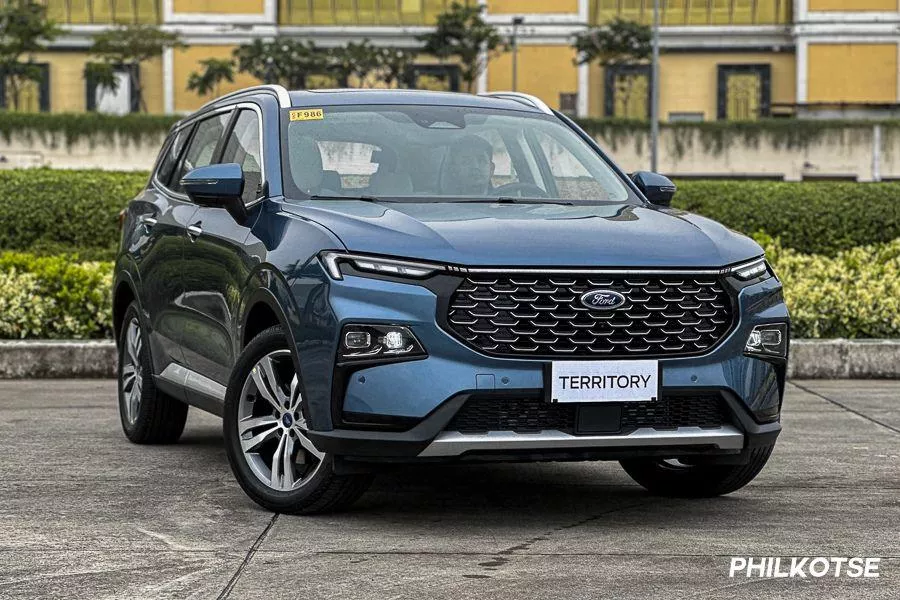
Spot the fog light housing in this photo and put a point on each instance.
(363, 342)
(768, 340)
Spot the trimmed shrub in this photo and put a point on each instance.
(855, 294)
(54, 297)
(810, 217)
(47, 210)
(51, 211)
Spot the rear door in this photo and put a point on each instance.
(217, 264)
(158, 251)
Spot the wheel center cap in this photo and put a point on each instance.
(287, 419)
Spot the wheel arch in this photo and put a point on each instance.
(124, 293)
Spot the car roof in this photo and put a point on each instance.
(374, 96)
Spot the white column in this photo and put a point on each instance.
(802, 70)
(168, 74)
(801, 8)
(584, 76)
(481, 84)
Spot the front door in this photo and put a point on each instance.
(216, 262)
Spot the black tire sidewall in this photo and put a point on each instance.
(148, 391)
(268, 341)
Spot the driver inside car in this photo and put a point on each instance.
(468, 168)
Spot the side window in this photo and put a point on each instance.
(170, 156)
(203, 144)
(243, 148)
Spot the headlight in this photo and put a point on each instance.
(375, 264)
(751, 270)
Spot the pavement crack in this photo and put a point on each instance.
(500, 558)
(845, 407)
(226, 591)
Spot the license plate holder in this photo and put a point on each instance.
(598, 381)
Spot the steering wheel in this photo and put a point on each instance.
(522, 189)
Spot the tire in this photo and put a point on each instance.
(265, 419)
(148, 415)
(664, 478)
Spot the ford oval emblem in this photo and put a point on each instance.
(602, 299)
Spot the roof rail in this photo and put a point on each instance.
(284, 100)
(522, 98)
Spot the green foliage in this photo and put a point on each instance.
(128, 45)
(24, 30)
(54, 297)
(838, 282)
(299, 65)
(619, 42)
(715, 137)
(44, 209)
(215, 71)
(855, 294)
(462, 33)
(283, 60)
(79, 209)
(71, 128)
(810, 217)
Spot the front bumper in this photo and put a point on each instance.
(400, 411)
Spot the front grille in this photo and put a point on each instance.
(541, 315)
(528, 415)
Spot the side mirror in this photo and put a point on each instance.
(217, 186)
(657, 188)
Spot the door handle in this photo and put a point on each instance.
(148, 222)
(194, 231)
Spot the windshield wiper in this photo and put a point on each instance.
(514, 200)
(339, 197)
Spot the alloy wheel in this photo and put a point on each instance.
(132, 373)
(271, 425)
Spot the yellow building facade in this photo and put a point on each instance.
(721, 59)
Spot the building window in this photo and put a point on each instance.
(744, 92)
(32, 96)
(119, 102)
(685, 117)
(568, 103)
(627, 91)
(77, 12)
(438, 78)
(695, 12)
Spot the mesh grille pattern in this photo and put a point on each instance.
(534, 414)
(542, 315)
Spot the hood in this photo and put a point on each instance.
(495, 234)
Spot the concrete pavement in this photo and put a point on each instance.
(85, 514)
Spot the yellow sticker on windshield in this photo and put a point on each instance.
(307, 114)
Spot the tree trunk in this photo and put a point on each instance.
(136, 88)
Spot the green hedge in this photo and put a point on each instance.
(53, 211)
(855, 294)
(69, 128)
(49, 210)
(54, 297)
(810, 217)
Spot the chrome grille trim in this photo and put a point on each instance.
(665, 315)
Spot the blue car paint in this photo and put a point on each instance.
(280, 269)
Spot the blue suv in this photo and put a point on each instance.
(354, 278)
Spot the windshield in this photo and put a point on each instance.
(441, 153)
